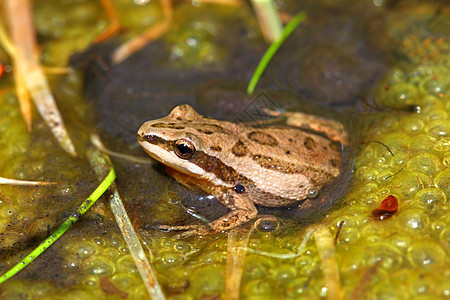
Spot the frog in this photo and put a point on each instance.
(245, 165)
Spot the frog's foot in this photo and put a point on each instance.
(189, 230)
(333, 129)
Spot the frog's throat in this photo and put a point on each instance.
(169, 158)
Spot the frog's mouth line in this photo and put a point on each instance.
(162, 151)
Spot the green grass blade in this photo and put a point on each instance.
(63, 228)
(288, 29)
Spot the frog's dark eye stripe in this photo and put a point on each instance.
(184, 148)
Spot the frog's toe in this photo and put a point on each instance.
(189, 230)
(195, 231)
(173, 228)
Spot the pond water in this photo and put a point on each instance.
(379, 67)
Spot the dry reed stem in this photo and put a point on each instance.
(114, 27)
(27, 63)
(236, 252)
(268, 19)
(327, 253)
(147, 36)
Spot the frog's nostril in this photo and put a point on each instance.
(144, 137)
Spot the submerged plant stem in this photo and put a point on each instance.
(100, 162)
(84, 207)
(236, 252)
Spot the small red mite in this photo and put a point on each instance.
(388, 207)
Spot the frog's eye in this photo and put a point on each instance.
(184, 148)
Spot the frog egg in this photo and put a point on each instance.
(253, 268)
(442, 180)
(367, 173)
(214, 257)
(141, 292)
(412, 125)
(208, 279)
(413, 220)
(353, 260)
(124, 280)
(431, 199)
(297, 287)
(401, 242)
(259, 287)
(167, 260)
(98, 265)
(123, 249)
(425, 254)
(386, 254)
(370, 232)
(436, 114)
(115, 241)
(369, 200)
(385, 290)
(283, 273)
(439, 128)
(421, 142)
(100, 241)
(408, 183)
(399, 160)
(444, 236)
(126, 264)
(90, 281)
(396, 140)
(422, 286)
(266, 224)
(306, 262)
(438, 227)
(399, 95)
(182, 247)
(430, 104)
(443, 144)
(348, 235)
(434, 86)
(446, 160)
(386, 175)
(41, 290)
(77, 251)
(369, 188)
(425, 163)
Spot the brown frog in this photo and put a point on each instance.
(243, 165)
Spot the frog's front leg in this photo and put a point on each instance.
(333, 129)
(242, 211)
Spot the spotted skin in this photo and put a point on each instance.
(272, 166)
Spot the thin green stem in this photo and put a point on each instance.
(288, 29)
(63, 228)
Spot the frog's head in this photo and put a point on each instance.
(177, 141)
(169, 139)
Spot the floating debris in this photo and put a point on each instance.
(388, 207)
